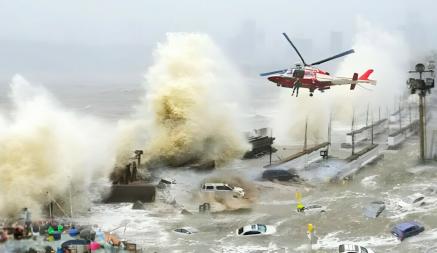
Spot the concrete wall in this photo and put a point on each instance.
(131, 193)
(353, 166)
(302, 161)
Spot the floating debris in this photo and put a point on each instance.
(374, 209)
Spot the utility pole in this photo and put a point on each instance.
(367, 114)
(400, 115)
(379, 113)
(422, 87)
(387, 112)
(372, 130)
(306, 130)
(330, 129)
(352, 132)
(422, 127)
(270, 153)
(70, 198)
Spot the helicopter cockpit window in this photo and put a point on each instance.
(298, 73)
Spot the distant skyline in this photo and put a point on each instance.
(112, 41)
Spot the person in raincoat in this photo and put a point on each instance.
(50, 230)
(300, 208)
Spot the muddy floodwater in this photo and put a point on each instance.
(392, 180)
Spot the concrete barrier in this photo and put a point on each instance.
(301, 159)
(131, 193)
(396, 138)
(358, 161)
(365, 133)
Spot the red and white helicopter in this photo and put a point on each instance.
(312, 78)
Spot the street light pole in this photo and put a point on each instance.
(422, 127)
(422, 87)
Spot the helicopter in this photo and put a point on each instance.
(307, 76)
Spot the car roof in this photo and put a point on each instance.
(348, 248)
(275, 171)
(215, 184)
(406, 225)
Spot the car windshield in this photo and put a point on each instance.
(262, 228)
(240, 231)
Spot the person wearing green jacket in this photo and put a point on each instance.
(51, 230)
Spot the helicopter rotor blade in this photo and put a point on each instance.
(333, 57)
(273, 72)
(295, 49)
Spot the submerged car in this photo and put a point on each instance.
(279, 174)
(236, 192)
(407, 229)
(350, 248)
(256, 229)
(185, 230)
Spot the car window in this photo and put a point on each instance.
(252, 233)
(210, 187)
(262, 228)
(223, 188)
(409, 229)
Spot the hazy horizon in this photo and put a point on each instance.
(111, 42)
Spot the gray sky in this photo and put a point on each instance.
(111, 41)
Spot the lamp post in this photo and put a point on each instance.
(422, 87)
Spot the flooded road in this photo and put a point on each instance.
(392, 180)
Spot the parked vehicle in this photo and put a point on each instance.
(279, 174)
(351, 248)
(407, 229)
(236, 192)
(256, 229)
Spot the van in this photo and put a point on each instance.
(236, 192)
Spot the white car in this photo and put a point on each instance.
(350, 248)
(236, 192)
(185, 230)
(256, 229)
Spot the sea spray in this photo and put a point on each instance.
(191, 103)
(375, 48)
(47, 151)
(385, 51)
